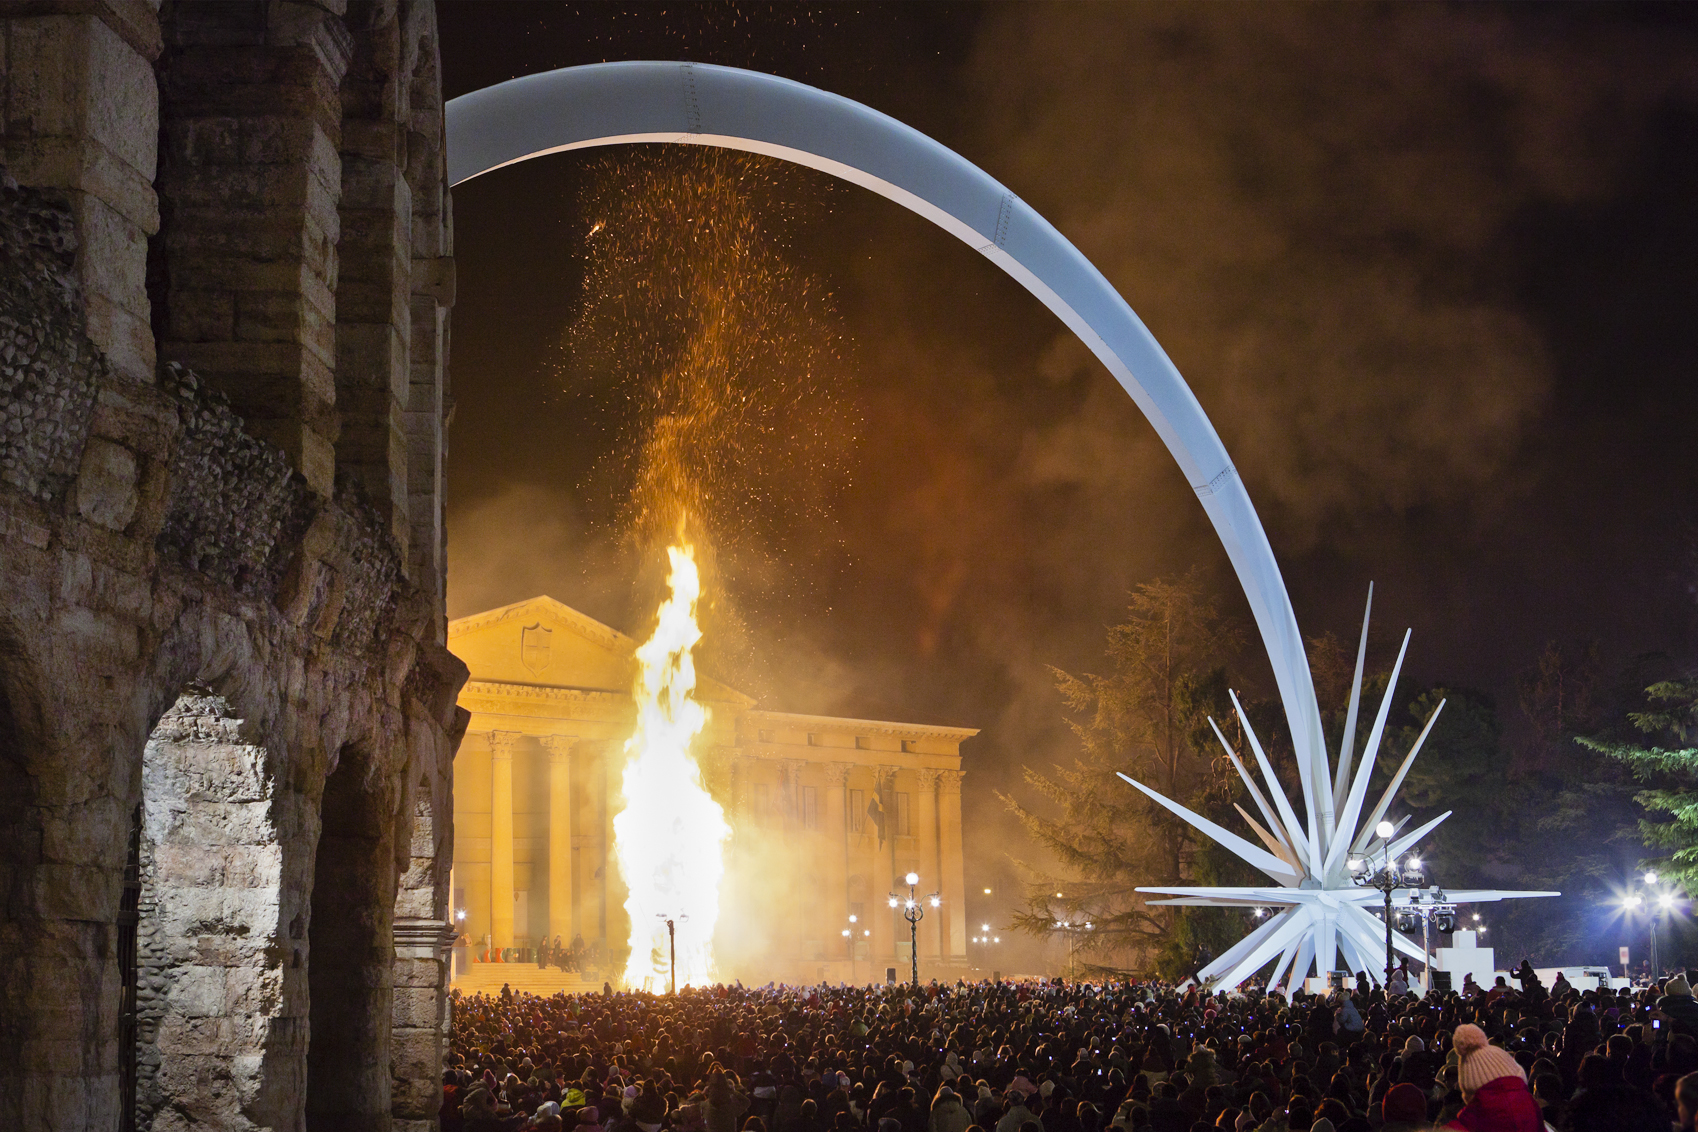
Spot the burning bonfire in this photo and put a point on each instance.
(670, 835)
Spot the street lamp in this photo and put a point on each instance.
(850, 941)
(671, 947)
(913, 913)
(1388, 878)
(1072, 929)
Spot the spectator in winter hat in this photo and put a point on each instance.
(1404, 1108)
(1677, 1009)
(1494, 1087)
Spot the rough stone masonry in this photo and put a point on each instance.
(227, 715)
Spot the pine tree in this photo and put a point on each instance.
(1148, 717)
(1670, 774)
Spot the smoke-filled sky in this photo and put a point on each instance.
(1431, 269)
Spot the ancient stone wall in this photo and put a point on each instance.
(224, 285)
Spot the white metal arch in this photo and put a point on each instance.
(698, 104)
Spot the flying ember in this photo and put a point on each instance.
(670, 834)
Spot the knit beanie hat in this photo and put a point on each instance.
(1678, 985)
(1404, 1104)
(1482, 1062)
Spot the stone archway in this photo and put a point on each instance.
(352, 951)
(698, 104)
(217, 969)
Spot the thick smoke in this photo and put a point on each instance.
(1325, 213)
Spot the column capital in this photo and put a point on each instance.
(930, 776)
(836, 774)
(949, 781)
(421, 938)
(559, 746)
(501, 743)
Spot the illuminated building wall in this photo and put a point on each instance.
(536, 782)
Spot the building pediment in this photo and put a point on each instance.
(544, 642)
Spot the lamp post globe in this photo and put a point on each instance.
(1388, 878)
(913, 912)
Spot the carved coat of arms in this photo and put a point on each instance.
(535, 642)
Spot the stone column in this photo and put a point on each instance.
(925, 811)
(422, 959)
(881, 879)
(373, 277)
(836, 831)
(788, 932)
(954, 871)
(82, 116)
(250, 124)
(501, 745)
(560, 835)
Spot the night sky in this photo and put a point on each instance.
(1431, 270)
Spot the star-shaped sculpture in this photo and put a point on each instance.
(1320, 910)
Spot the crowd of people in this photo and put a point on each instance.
(1074, 1057)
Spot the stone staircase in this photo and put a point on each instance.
(486, 978)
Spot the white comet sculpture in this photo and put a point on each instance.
(629, 102)
(1321, 910)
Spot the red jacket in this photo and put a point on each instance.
(1503, 1105)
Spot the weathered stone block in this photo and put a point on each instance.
(416, 1006)
(413, 1053)
(418, 973)
(73, 76)
(106, 484)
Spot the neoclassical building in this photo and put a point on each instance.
(828, 815)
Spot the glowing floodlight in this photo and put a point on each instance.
(1651, 876)
(912, 879)
(1384, 830)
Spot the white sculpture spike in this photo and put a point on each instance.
(1293, 831)
(1236, 953)
(1396, 781)
(1252, 856)
(1280, 967)
(1275, 846)
(1348, 744)
(1402, 845)
(1370, 753)
(1322, 913)
(1274, 824)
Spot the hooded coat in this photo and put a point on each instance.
(949, 1115)
(1501, 1105)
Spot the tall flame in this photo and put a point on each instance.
(669, 836)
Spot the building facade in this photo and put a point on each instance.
(827, 814)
